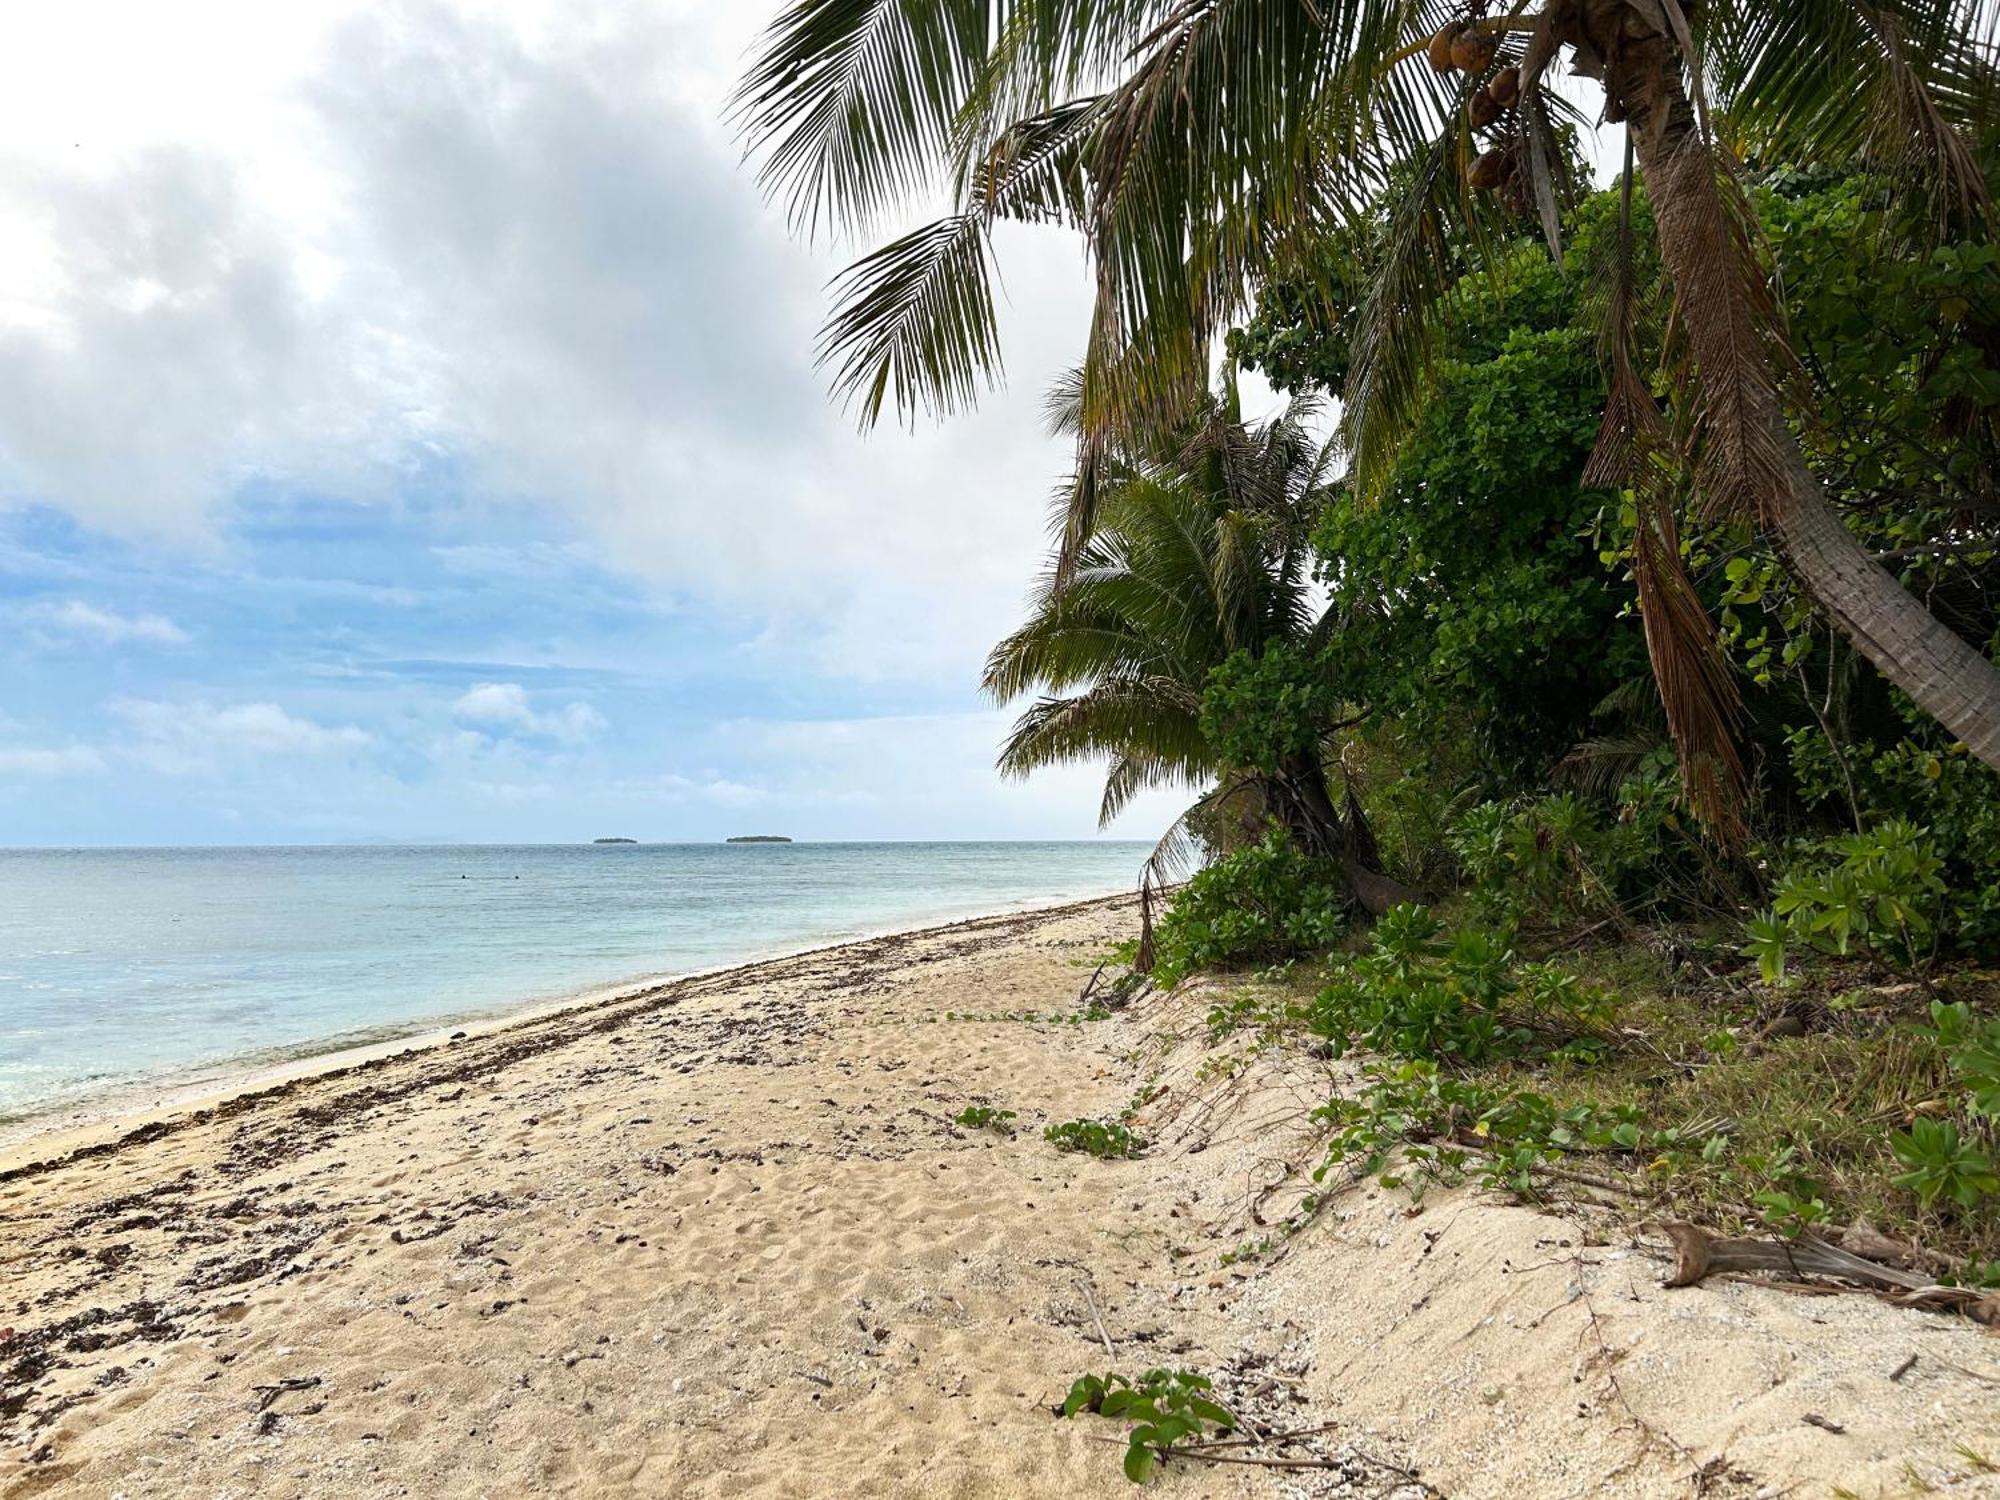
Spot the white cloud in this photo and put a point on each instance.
(182, 738)
(918, 772)
(71, 760)
(675, 788)
(74, 617)
(506, 247)
(514, 236)
(505, 705)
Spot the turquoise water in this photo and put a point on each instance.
(121, 966)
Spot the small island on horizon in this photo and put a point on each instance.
(758, 838)
(614, 841)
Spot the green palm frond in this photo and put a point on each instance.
(1401, 323)
(917, 322)
(1902, 86)
(851, 102)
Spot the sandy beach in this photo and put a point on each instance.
(722, 1237)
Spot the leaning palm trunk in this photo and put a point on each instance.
(1306, 807)
(1749, 459)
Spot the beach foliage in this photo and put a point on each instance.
(1464, 996)
(1165, 1407)
(1598, 736)
(1107, 1140)
(1204, 152)
(986, 1117)
(1263, 904)
(1878, 891)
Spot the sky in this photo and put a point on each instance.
(408, 431)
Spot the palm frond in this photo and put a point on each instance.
(1693, 676)
(1598, 767)
(1725, 310)
(851, 102)
(1633, 426)
(1904, 87)
(916, 323)
(1402, 321)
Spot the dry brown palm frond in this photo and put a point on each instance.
(1632, 425)
(1634, 452)
(1632, 418)
(1733, 334)
(1598, 767)
(1557, 21)
(1696, 686)
(1928, 138)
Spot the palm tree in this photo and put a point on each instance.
(1199, 552)
(1199, 145)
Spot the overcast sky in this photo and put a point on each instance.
(408, 430)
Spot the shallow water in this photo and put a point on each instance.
(122, 965)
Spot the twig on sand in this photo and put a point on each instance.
(1267, 1437)
(1246, 1458)
(1648, 1433)
(1975, 1374)
(1401, 1473)
(1091, 988)
(1177, 1451)
(270, 1393)
(1083, 1285)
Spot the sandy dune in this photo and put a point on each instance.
(722, 1238)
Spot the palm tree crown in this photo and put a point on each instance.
(1200, 145)
(1198, 553)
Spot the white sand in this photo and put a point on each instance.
(721, 1238)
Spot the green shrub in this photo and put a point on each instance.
(1561, 859)
(1259, 710)
(1417, 994)
(1942, 1164)
(1973, 1048)
(985, 1117)
(1264, 904)
(1108, 1140)
(1948, 793)
(1880, 891)
(1414, 1124)
(1164, 1406)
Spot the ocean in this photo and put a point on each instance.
(124, 967)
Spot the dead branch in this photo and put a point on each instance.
(1090, 1298)
(1698, 1254)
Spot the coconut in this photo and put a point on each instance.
(1472, 51)
(1482, 109)
(1505, 87)
(1439, 50)
(1490, 170)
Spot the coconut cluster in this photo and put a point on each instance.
(1463, 47)
(1485, 109)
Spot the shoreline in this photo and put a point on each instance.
(707, 1237)
(39, 1139)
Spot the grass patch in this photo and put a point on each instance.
(1660, 1066)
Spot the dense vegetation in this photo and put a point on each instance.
(1599, 738)
(1788, 1024)
(1794, 1024)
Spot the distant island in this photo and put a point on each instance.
(614, 841)
(758, 838)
